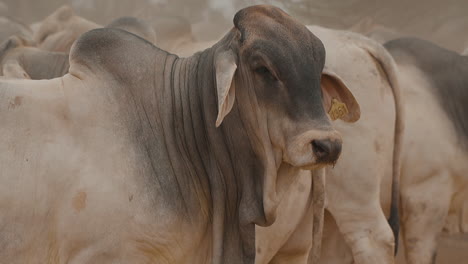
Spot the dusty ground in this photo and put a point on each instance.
(452, 249)
(443, 22)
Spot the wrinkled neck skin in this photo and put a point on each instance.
(224, 167)
(223, 158)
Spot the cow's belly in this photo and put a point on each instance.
(71, 194)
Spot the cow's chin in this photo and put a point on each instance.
(315, 166)
(301, 157)
(306, 164)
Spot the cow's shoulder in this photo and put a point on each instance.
(115, 51)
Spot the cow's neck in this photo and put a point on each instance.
(56, 64)
(215, 168)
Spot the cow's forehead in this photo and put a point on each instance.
(271, 24)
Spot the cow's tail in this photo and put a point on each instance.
(388, 65)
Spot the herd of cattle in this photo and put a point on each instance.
(116, 151)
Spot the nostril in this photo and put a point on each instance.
(321, 148)
(326, 150)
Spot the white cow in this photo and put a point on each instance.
(371, 150)
(434, 183)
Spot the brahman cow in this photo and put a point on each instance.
(139, 156)
(371, 151)
(291, 238)
(434, 180)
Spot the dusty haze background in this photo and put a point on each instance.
(444, 22)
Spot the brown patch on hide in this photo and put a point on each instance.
(377, 146)
(16, 102)
(259, 250)
(79, 201)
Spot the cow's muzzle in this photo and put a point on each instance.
(313, 149)
(326, 151)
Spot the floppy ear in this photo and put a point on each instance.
(338, 101)
(225, 68)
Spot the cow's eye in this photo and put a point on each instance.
(265, 72)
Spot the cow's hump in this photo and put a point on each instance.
(115, 51)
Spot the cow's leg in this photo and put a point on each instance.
(425, 206)
(367, 233)
(354, 202)
(334, 248)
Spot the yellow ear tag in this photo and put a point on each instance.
(337, 110)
